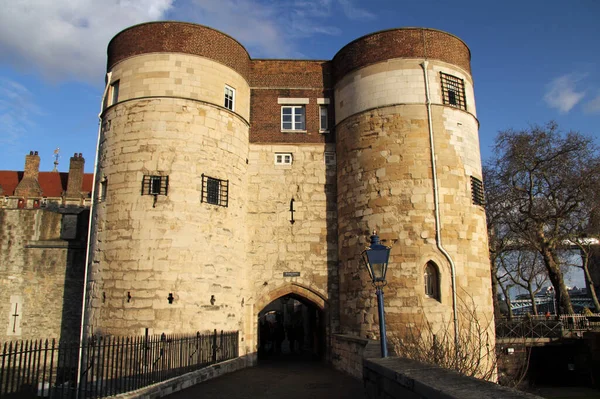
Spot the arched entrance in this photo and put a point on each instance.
(291, 327)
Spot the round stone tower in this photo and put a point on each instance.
(168, 250)
(409, 168)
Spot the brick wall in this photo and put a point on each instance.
(179, 37)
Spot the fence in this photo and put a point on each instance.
(110, 365)
(545, 327)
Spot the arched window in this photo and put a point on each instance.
(432, 281)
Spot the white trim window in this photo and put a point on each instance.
(293, 118)
(229, 98)
(284, 158)
(114, 92)
(323, 119)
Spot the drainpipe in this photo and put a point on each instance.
(89, 239)
(436, 201)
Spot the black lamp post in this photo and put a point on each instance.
(376, 258)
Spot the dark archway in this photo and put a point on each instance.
(291, 327)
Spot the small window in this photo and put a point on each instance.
(293, 117)
(283, 159)
(155, 185)
(477, 195)
(323, 120)
(215, 191)
(44, 203)
(329, 158)
(432, 281)
(103, 187)
(453, 91)
(114, 92)
(229, 98)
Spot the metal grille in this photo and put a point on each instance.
(155, 185)
(109, 365)
(453, 91)
(215, 191)
(477, 191)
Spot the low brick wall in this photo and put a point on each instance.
(187, 380)
(348, 352)
(394, 377)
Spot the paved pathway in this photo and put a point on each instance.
(279, 379)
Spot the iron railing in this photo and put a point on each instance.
(546, 326)
(110, 365)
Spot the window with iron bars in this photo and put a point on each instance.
(477, 194)
(155, 185)
(453, 91)
(215, 191)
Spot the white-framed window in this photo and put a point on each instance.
(229, 98)
(293, 117)
(329, 158)
(114, 92)
(323, 119)
(283, 158)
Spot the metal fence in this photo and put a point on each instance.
(110, 365)
(546, 327)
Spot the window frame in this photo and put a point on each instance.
(323, 112)
(453, 91)
(431, 281)
(212, 196)
(283, 158)
(232, 100)
(333, 158)
(293, 115)
(114, 92)
(149, 186)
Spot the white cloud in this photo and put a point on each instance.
(65, 39)
(593, 106)
(561, 93)
(18, 111)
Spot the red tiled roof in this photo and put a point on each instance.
(52, 183)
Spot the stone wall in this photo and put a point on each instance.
(394, 377)
(41, 275)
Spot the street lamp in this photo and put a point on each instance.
(376, 259)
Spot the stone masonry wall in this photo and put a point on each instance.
(178, 245)
(275, 245)
(41, 274)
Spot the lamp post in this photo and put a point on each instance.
(376, 259)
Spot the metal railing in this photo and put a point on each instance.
(110, 365)
(545, 326)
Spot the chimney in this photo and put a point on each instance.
(29, 186)
(32, 165)
(75, 181)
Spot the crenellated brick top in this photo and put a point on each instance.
(291, 73)
(179, 37)
(401, 43)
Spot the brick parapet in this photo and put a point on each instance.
(291, 73)
(179, 37)
(401, 43)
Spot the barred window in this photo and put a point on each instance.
(329, 158)
(432, 281)
(215, 191)
(477, 194)
(155, 185)
(453, 91)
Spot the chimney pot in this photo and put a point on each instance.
(30, 152)
(35, 153)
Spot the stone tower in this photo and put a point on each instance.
(225, 183)
(409, 167)
(168, 144)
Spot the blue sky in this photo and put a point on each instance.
(533, 61)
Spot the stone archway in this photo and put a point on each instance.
(291, 324)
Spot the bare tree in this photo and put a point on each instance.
(526, 269)
(586, 248)
(542, 181)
